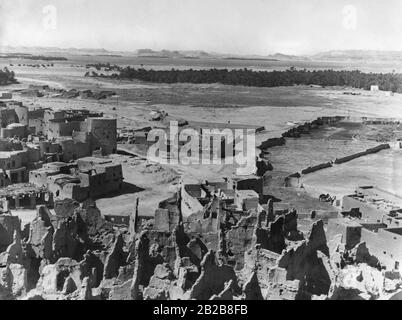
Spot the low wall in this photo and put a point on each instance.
(274, 142)
(292, 180)
(363, 153)
(378, 148)
(317, 168)
(305, 128)
(350, 157)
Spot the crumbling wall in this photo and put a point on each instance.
(8, 226)
(53, 276)
(65, 208)
(304, 264)
(252, 289)
(212, 278)
(239, 239)
(160, 283)
(143, 266)
(280, 288)
(272, 236)
(261, 261)
(39, 228)
(70, 237)
(115, 259)
(13, 281)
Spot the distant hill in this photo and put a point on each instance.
(286, 57)
(149, 53)
(52, 51)
(145, 53)
(358, 55)
(334, 55)
(31, 57)
(199, 54)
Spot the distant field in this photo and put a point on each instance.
(274, 108)
(269, 107)
(182, 63)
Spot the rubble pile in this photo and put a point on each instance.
(76, 255)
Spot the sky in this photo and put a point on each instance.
(259, 27)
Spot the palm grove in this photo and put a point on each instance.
(246, 77)
(7, 77)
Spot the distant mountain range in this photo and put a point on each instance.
(335, 55)
(199, 54)
(149, 53)
(354, 55)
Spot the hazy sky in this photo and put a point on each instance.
(227, 26)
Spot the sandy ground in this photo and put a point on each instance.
(273, 108)
(383, 170)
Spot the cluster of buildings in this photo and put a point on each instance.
(50, 154)
(212, 140)
(372, 216)
(224, 211)
(88, 177)
(58, 152)
(237, 194)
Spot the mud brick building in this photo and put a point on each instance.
(87, 178)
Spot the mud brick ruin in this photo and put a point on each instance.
(218, 240)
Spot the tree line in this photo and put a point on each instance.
(7, 77)
(246, 77)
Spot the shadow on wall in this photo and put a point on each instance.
(127, 188)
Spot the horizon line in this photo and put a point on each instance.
(200, 50)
